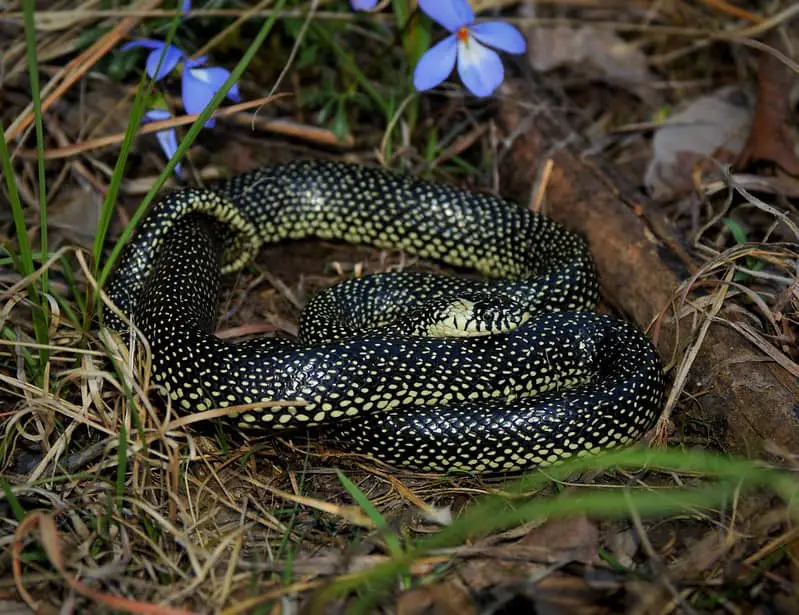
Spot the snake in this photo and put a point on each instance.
(503, 365)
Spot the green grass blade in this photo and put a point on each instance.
(33, 76)
(494, 513)
(106, 214)
(738, 232)
(122, 462)
(24, 247)
(72, 283)
(8, 333)
(66, 307)
(13, 502)
(137, 111)
(380, 522)
(25, 253)
(595, 503)
(191, 135)
(402, 12)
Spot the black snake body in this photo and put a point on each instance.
(420, 371)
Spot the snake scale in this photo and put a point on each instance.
(424, 372)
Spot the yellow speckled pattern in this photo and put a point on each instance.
(421, 371)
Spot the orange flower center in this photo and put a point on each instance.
(463, 34)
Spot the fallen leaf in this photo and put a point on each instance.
(502, 566)
(771, 138)
(624, 546)
(647, 598)
(599, 50)
(555, 594)
(73, 217)
(569, 539)
(713, 127)
(437, 599)
(701, 556)
(562, 594)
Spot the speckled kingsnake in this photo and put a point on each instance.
(565, 382)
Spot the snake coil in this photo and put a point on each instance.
(420, 371)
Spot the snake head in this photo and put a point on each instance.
(474, 314)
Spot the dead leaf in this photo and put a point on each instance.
(771, 138)
(624, 546)
(74, 216)
(569, 539)
(562, 594)
(713, 127)
(555, 594)
(648, 598)
(703, 555)
(607, 56)
(509, 564)
(437, 599)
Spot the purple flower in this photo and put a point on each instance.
(185, 6)
(166, 138)
(363, 5)
(201, 83)
(480, 68)
(172, 56)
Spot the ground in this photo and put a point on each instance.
(663, 133)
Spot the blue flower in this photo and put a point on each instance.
(201, 83)
(166, 138)
(480, 68)
(172, 56)
(185, 6)
(363, 5)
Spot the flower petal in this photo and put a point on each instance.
(185, 6)
(195, 62)
(156, 115)
(213, 76)
(452, 14)
(196, 96)
(199, 87)
(172, 56)
(500, 35)
(147, 43)
(436, 64)
(167, 139)
(479, 67)
(363, 5)
(233, 93)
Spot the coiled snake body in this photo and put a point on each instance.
(424, 372)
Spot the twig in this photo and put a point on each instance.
(149, 128)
